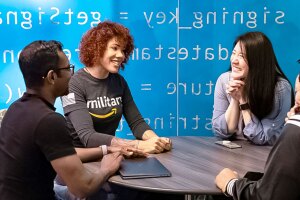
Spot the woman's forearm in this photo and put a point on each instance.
(123, 142)
(232, 115)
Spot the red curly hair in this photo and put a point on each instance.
(94, 42)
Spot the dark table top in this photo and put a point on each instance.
(194, 163)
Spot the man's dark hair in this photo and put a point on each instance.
(36, 59)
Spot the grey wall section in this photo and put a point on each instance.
(182, 47)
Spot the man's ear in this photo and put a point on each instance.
(51, 77)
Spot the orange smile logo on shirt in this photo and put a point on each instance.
(113, 111)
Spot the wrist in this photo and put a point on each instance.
(105, 172)
(109, 149)
(113, 141)
(137, 144)
(228, 189)
(104, 149)
(148, 134)
(244, 106)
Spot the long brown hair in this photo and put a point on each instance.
(263, 75)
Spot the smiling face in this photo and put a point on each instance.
(112, 57)
(239, 65)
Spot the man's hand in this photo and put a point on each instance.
(224, 177)
(295, 109)
(155, 145)
(110, 163)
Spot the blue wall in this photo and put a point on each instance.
(182, 47)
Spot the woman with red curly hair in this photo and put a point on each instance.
(99, 95)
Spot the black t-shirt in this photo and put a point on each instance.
(94, 107)
(31, 136)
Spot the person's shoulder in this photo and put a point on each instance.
(283, 81)
(54, 118)
(78, 74)
(224, 77)
(79, 77)
(291, 131)
(293, 126)
(283, 84)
